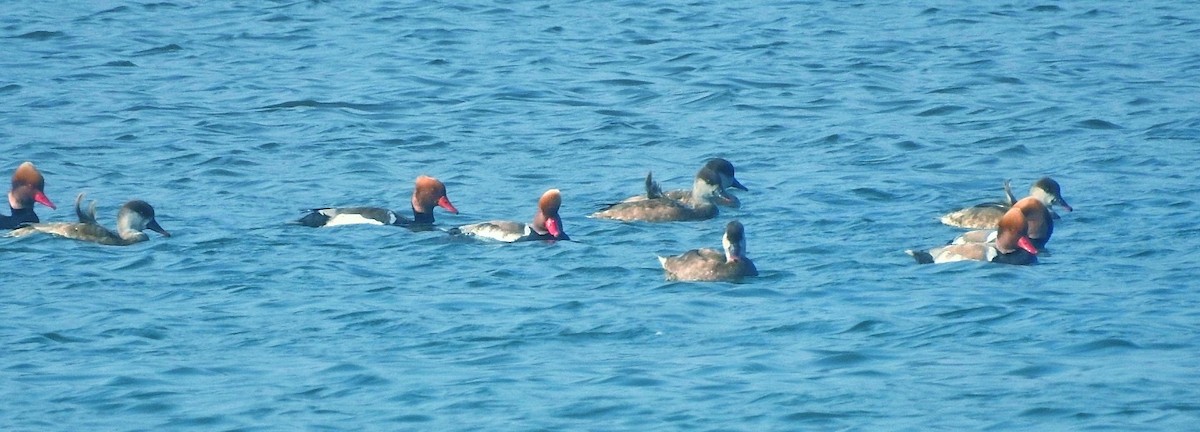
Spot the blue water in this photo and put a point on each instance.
(855, 125)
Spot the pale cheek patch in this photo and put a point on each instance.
(351, 219)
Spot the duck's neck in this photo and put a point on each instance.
(22, 211)
(1040, 225)
(17, 217)
(126, 230)
(130, 235)
(422, 217)
(538, 225)
(701, 196)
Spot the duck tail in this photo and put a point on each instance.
(85, 217)
(653, 190)
(922, 257)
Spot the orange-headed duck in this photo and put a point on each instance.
(1037, 217)
(985, 216)
(710, 264)
(27, 188)
(133, 218)
(699, 205)
(725, 172)
(1012, 246)
(546, 225)
(427, 194)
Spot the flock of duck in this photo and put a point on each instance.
(1011, 232)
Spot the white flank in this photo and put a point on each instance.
(494, 232)
(351, 219)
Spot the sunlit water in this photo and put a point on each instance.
(853, 125)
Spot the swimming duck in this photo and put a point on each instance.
(725, 172)
(985, 215)
(710, 264)
(1037, 217)
(27, 188)
(133, 218)
(428, 193)
(699, 205)
(1012, 246)
(546, 224)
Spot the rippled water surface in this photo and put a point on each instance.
(853, 124)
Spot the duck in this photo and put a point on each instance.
(1011, 246)
(700, 204)
(725, 172)
(28, 187)
(428, 193)
(985, 215)
(1037, 217)
(713, 265)
(546, 224)
(134, 217)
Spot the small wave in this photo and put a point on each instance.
(616, 113)
(159, 50)
(141, 262)
(941, 111)
(960, 21)
(1104, 345)
(61, 338)
(872, 194)
(623, 82)
(343, 367)
(798, 328)
(488, 360)
(152, 407)
(1035, 371)
(627, 380)
(594, 410)
(1046, 8)
(1046, 412)
(1017, 150)
(768, 85)
(1007, 80)
(128, 381)
(360, 380)
(190, 371)
(950, 90)
(709, 98)
(751, 292)
(41, 35)
(811, 416)
(412, 418)
(976, 313)
(844, 359)
(309, 103)
(145, 333)
(863, 327)
(1097, 124)
(115, 10)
